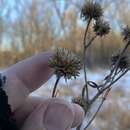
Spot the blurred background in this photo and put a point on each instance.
(28, 27)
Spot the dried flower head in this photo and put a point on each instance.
(101, 27)
(80, 101)
(126, 33)
(91, 10)
(65, 64)
(123, 63)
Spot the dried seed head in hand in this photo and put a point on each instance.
(65, 64)
(91, 10)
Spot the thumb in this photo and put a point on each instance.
(53, 114)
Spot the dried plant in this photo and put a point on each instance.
(119, 64)
(67, 65)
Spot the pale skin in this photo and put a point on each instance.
(34, 112)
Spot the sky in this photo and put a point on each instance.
(60, 5)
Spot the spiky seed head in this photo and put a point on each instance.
(101, 27)
(123, 63)
(91, 10)
(126, 33)
(65, 64)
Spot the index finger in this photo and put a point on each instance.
(26, 76)
(33, 71)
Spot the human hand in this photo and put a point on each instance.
(33, 112)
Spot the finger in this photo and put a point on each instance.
(34, 71)
(78, 115)
(36, 117)
(30, 104)
(26, 76)
(53, 114)
(58, 115)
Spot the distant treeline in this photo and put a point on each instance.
(98, 54)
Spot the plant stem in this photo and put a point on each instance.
(99, 107)
(89, 43)
(107, 89)
(79, 127)
(101, 91)
(94, 116)
(55, 86)
(84, 58)
(115, 68)
(121, 55)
